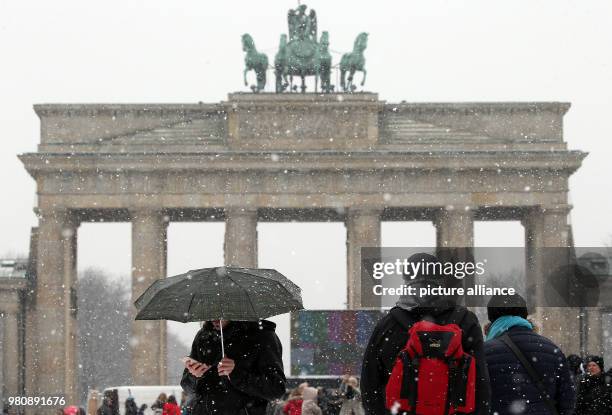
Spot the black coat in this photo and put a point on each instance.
(390, 336)
(512, 390)
(105, 409)
(256, 379)
(594, 396)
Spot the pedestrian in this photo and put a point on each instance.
(107, 406)
(309, 401)
(330, 401)
(245, 379)
(576, 368)
(158, 406)
(381, 392)
(529, 373)
(186, 403)
(171, 407)
(293, 406)
(275, 407)
(352, 398)
(594, 392)
(130, 406)
(142, 409)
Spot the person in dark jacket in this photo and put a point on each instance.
(130, 406)
(250, 374)
(512, 389)
(391, 334)
(575, 366)
(107, 406)
(594, 391)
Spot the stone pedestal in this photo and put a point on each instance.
(303, 121)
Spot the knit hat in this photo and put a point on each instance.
(598, 360)
(506, 305)
(425, 279)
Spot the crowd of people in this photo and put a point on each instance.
(427, 356)
(308, 400)
(510, 370)
(163, 405)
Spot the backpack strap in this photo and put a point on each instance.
(457, 316)
(403, 317)
(406, 320)
(535, 378)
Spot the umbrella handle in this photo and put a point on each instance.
(222, 345)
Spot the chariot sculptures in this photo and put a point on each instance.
(302, 53)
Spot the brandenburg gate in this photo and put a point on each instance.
(347, 157)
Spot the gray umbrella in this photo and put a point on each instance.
(228, 293)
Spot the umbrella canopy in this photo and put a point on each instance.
(228, 293)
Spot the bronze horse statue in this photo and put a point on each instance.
(352, 62)
(254, 61)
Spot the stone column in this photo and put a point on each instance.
(148, 264)
(240, 247)
(455, 239)
(362, 231)
(547, 227)
(594, 340)
(11, 341)
(69, 241)
(454, 227)
(49, 367)
(163, 326)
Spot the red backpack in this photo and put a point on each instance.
(432, 375)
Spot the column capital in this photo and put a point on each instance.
(62, 215)
(354, 211)
(453, 210)
(240, 211)
(10, 308)
(136, 212)
(561, 209)
(540, 211)
(460, 208)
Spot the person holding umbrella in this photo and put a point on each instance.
(235, 366)
(245, 379)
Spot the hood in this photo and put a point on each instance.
(267, 325)
(310, 393)
(433, 304)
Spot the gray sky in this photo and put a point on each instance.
(188, 51)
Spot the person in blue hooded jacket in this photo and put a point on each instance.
(512, 388)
